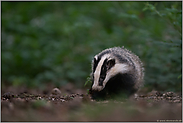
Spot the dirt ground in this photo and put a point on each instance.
(72, 104)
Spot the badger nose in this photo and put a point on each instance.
(97, 88)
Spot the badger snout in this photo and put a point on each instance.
(97, 88)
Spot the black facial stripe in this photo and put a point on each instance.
(99, 58)
(103, 73)
(121, 59)
(94, 64)
(103, 53)
(130, 61)
(110, 63)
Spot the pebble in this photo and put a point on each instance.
(174, 98)
(169, 98)
(20, 99)
(160, 97)
(8, 95)
(152, 93)
(56, 91)
(176, 101)
(39, 98)
(164, 95)
(135, 96)
(62, 100)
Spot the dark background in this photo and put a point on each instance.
(54, 42)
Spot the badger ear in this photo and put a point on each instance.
(110, 63)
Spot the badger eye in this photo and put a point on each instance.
(110, 63)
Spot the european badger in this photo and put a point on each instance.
(116, 70)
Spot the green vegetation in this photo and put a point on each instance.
(54, 42)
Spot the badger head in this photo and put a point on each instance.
(106, 67)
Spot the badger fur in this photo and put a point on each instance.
(116, 70)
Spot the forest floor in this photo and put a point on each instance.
(71, 104)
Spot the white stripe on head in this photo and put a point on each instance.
(97, 73)
(118, 68)
(96, 57)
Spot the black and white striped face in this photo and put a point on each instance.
(104, 68)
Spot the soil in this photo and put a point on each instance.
(71, 104)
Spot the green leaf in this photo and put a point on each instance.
(179, 76)
(87, 81)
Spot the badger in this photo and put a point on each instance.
(116, 70)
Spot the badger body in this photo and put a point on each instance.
(116, 70)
